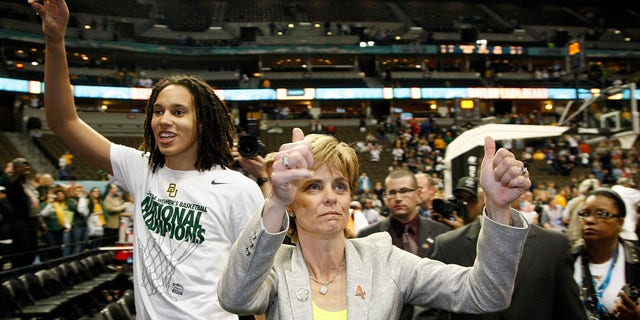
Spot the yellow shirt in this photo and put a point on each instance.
(320, 314)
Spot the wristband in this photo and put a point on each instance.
(262, 181)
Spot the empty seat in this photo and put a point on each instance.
(38, 293)
(24, 305)
(114, 311)
(72, 277)
(81, 301)
(128, 304)
(9, 310)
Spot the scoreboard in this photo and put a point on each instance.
(467, 110)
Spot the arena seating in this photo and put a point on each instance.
(82, 169)
(121, 8)
(350, 11)
(9, 151)
(77, 287)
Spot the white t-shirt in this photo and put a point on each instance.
(359, 220)
(185, 225)
(631, 196)
(599, 272)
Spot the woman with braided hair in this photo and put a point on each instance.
(190, 206)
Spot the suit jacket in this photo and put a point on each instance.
(428, 229)
(544, 286)
(264, 276)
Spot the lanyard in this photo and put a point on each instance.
(601, 308)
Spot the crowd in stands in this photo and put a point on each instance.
(418, 146)
(566, 161)
(73, 219)
(51, 235)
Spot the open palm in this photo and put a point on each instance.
(55, 16)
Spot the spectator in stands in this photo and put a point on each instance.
(189, 209)
(126, 218)
(23, 224)
(45, 182)
(357, 219)
(312, 206)
(114, 206)
(626, 189)
(378, 190)
(79, 230)
(525, 204)
(6, 212)
(570, 213)
(375, 149)
(551, 215)
(331, 129)
(63, 174)
(144, 81)
(363, 124)
(364, 182)
(58, 213)
(316, 126)
(97, 217)
(605, 262)
(68, 161)
(272, 28)
(429, 189)
(370, 212)
(266, 83)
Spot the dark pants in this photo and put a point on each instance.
(25, 241)
(55, 240)
(110, 236)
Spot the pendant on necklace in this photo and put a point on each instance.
(323, 290)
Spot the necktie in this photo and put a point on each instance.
(407, 241)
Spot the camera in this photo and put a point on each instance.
(632, 291)
(446, 207)
(250, 146)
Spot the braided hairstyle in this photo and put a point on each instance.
(215, 128)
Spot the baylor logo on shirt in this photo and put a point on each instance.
(175, 219)
(172, 191)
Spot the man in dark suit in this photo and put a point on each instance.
(544, 287)
(402, 197)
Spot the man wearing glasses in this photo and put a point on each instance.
(402, 197)
(409, 231)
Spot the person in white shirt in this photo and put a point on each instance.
(190, 206)
(626, 188)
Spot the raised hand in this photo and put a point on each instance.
(503, 179)
(55, 16)
(294, 161)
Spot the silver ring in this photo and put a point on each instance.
(285, 162)
(523, 171)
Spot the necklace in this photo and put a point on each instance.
(324, 289)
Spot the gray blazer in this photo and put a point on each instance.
(264, 276)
